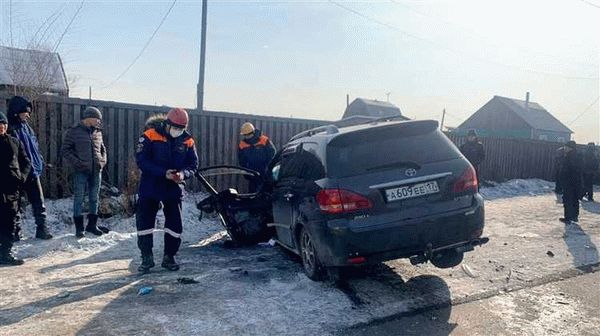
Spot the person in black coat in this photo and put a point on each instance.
(570, 176)
(590, 168)
(14, 170)
(558, 159)
(473, 150)
(19, 110)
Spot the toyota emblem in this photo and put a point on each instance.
(411, 172)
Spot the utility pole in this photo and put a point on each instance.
(90, 92)
(442, 123)
(200, 86)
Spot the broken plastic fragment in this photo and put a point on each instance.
(145, 290)
(187, 281)
(468, 271)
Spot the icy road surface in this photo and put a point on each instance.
(90, 286)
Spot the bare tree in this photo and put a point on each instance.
(31, 64)
(34, 72)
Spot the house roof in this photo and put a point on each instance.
(371, 108)
(25, 67)
(534, 115)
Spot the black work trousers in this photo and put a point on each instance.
(588, 185)
(571, 203)
(35, 195)
(8, 214)
(146, 219)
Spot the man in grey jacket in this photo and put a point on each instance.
(84, 149)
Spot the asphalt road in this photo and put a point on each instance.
(566, 307)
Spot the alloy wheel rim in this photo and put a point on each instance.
(308, 252)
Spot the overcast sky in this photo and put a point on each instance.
(301, 58)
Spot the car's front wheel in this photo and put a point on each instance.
(310, 261)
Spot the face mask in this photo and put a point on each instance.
(175, 132)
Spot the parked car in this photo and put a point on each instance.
(375, 192)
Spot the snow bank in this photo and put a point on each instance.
(517, 187)
(60, 224)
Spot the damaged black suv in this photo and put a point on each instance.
(374, 192)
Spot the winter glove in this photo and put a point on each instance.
(178, 177)
(174, 175)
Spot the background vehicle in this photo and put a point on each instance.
(375, 192)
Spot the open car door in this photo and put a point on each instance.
(244, 216)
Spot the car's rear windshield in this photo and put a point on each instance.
(386, 148)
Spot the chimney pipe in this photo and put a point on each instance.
(527, 100)
(347, 100)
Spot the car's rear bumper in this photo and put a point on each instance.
(340, 245)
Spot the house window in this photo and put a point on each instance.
(543, 137)
(561, 139)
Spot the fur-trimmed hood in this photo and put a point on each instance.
(156, 121)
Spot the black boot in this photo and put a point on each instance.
(41, 232)
(147, 262)
(78, 220)
(6, 257)
(170, 263)
(91, 225)
(565, 220)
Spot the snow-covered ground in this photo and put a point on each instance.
(519, 187)
(89, 286)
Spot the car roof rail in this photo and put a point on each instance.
(328, 129)
(389, 118)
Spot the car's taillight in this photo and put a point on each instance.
(336, 201)
(467, 181)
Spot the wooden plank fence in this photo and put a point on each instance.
(515, 158)
(216, 134)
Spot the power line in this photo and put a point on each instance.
(392, 27)
(164, 18)
(590, 3)
(473, 33)
(69, 25)
(585, 111)
(48, 21)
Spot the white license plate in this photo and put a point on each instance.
(417, 190)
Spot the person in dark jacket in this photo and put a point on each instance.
(473, 150)
(255, 151)
(14, 171)
(558, 159)
(590, 169)
(166, 155)
(19, 110)
(570, 175)
(84, 149)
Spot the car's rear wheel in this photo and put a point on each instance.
(447, 259)
(310, 261)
